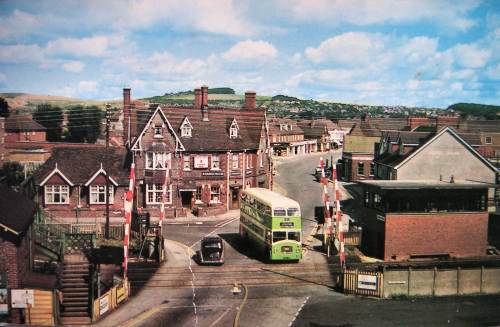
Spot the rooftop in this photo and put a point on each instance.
(423, 184)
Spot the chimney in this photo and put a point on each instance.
(197, 98)
(204, 102)
(250, 100)
(414, 122)
(126, 115)
(443, 121)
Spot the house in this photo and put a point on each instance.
(22, 128)
(204, 155)
(417, 219)
(287, 138)
(357, 154)
(71, 184)
(322, 131)
(445, 155)
(16, 216)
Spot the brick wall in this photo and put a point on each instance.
(25, 136)
(350, 170)
(459, 234)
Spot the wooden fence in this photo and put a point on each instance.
(115, 230)
(110, 300)
(367, 283)
(42, 312)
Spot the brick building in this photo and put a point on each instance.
(319, 130)
(2, 140)
(71, 184)
(16, 217)
(211, 154)
(22, 128)
(427, 218)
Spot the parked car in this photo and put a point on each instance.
(328, 174)
(211, 251)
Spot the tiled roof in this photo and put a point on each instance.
(16, 210)
(480, 126)
(214, 134)
(17, 123)
(312, 129)
(80, 165)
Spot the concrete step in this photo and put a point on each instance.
(74, 290)
(80, 303)
(74, 285)
(76, 309)
(75, 314)
(75, 320)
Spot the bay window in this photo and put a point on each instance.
(56, 194)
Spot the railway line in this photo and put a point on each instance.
(225, 276)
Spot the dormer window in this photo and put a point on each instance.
(186, 128)
(233, 130)
(158, 131)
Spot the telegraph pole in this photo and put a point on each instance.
(106, 229)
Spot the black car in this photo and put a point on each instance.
(211, 250)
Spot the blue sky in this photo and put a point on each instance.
(389, 52)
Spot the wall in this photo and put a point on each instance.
(459, 234)
(441, 282)
(29, 136)
(351, 161)
(2, 140)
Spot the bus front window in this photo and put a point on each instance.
(294, 236)
(293, 212)
(279, 236)
(280, 212)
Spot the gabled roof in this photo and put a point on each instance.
(56, 171)
(186, 122)
(435, 137)
(234, 124)
(16, 211)
(99, 172)
(79, 166)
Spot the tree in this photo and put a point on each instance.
(51, 118)
(13, 173)
(4, 108)
(84, 124)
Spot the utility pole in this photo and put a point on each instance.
(106, 229)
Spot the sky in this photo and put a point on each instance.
(429, 53)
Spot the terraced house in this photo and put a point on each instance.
(207, 154)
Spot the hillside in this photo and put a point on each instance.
(477, 110)
(16, 100)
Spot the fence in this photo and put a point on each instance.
(439, 282)
(110, 300)
(368, 283)
(115, 230)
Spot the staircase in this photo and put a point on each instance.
(75, 287)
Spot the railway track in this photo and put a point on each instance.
(250, 274)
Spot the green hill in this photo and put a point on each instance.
(477, 110)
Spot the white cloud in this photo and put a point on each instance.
(493, 72)
(73, 66)
(20, 53)
(18, 24)
(87, 87)
(258, 52)
(447, 13)
(471, 55)
(350, 48)
(95, 46)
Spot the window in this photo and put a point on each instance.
(279, 236)
(361, 168)
(233, 130)
(158, 131)
(187, 162)
(294, 236)
(156, 160)
(280, 212)
(154, 194)
(487, 140)
(198, 193)
(98, 194)
(236, 161)
(249, 161)
(186, 131)
(214, 194)
(215, 162)
(293, 212)
(56, 194)
(372, 169)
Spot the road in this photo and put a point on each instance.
(181, 293)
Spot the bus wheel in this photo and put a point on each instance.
(267, 255)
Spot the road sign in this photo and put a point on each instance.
(22, 298)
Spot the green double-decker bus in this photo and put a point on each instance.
(272, 221)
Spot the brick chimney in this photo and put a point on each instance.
(250, 100)
(414, 122)
(126, 115)
(197, 98)
(443, 121)
(204, 102)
